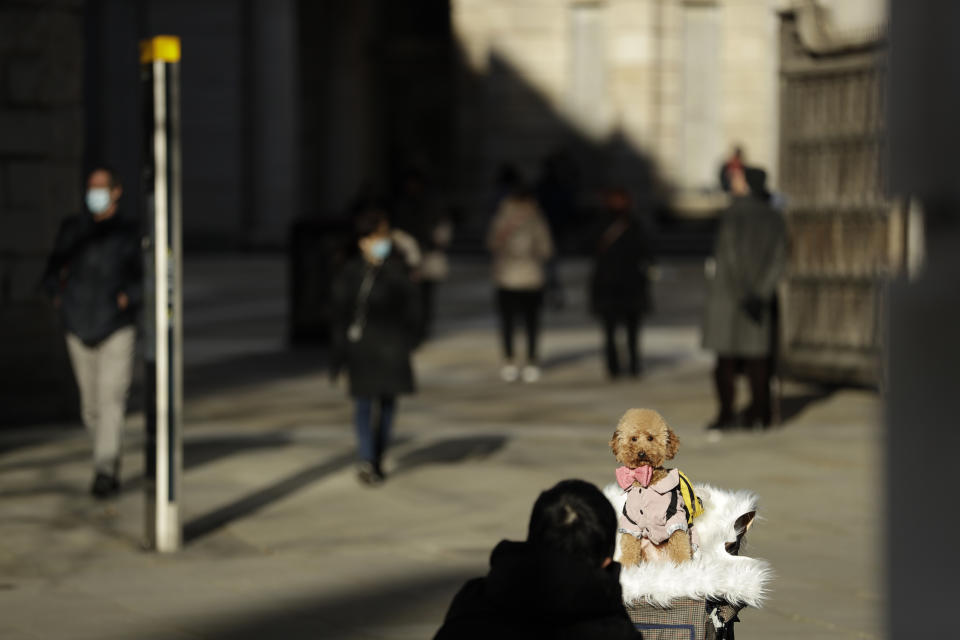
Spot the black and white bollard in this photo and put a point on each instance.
(163, 313)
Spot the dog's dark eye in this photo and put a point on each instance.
(634, 438)
(650, 438)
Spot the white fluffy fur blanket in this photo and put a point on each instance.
(713, 573)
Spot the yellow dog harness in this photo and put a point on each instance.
(693, 504)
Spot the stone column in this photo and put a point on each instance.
(41, 147)
(339, 130)
(922, 433)
(274, 120)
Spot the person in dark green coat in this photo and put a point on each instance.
(750, 255)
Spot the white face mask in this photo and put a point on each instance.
(380, 248)
(98, 200)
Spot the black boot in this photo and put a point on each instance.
(370, 474)
(104, 486)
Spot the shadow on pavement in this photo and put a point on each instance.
(558, 360)
(412, 607)
(249, 504)
(58, 487)
(44, 461)
(252, 369)
(21, 437)
(201, 379)
(450, 452)
(793, 405)
(196, 453)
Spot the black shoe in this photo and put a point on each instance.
(370, 474)
(759, 424)
(723, 423)
(104, 486)
(758, 420)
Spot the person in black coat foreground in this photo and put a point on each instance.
(376, 323)
(561, 583)
(619, 285)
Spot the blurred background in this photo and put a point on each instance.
(292, 110)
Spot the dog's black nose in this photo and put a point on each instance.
(642, 454)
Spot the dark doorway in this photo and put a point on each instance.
(378, 96)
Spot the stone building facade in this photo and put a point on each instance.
(293, 107)
(679, 81)
(41, 151)
(70, 98)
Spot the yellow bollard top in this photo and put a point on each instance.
(163, 48)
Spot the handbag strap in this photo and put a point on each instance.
(613, 233)
(360, 309)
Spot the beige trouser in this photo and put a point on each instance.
(103, 375)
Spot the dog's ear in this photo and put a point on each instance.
(741, 526)
(673, 443)
(744, 522)
(615, 443)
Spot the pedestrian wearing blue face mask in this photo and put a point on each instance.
(375, 325)
(95, 278)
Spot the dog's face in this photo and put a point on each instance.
(643, 438)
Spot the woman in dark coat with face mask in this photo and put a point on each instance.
(376, 319)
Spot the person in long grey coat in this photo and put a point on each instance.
(750, 255)
(376, 325)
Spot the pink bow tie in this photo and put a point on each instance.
(627, 476)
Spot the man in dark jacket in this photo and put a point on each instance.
(95, 277)
(560, 584)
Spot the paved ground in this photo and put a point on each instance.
(282, 542)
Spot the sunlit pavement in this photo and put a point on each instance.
(282, 541)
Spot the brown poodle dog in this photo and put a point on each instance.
(643, 439)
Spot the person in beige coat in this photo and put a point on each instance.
(519, 240)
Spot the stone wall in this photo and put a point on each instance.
(41, 147)
(678, 80)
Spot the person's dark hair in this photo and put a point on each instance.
(522, 190)
(367, 221)
(576, 518)
(757, 181)
(114, 176)
(413, 174)
(617, 191)
(508, 176)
